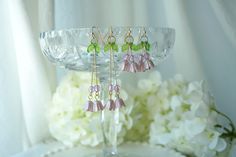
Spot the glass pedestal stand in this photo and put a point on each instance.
(68, 49)
(110, 134)
(109, 124)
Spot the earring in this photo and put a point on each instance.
(129, 63)
(94, 90)
(112, 47)
(145, 62)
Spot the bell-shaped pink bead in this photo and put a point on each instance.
(141, 67)
(119, 103)
(150, 64)
(99, 105)
(133, 67)
(146, 56)
(125, 66)
(89, 106)
(111, 105)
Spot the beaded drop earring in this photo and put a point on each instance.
(94, 103)
(113, 87)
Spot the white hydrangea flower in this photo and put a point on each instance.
(187, 121)
(173, 113)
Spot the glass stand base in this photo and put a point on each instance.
(125, 150)
(115, 155)
(112, 155)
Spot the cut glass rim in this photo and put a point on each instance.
(115, 27)
(67, 47)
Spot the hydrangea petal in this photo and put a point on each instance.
(221, 145)
(194, 127)
(175, 102)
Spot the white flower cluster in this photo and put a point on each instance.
(182, 115)
(68, 121)
(173, 113)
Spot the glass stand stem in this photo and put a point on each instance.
(109, 125)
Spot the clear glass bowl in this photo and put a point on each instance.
(68, 48)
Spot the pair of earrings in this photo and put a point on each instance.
(113, 88)
(140, 62)
(119, 102)
(94, 103)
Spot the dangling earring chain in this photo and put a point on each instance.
(119, 102)
(98, 104)
(94, 90)
(112, 47)
(111, 104)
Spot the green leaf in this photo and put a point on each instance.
(147, 46)
(107, 47)
(90, 48)
(97, 48)
(134, 47)
(125, 47)
(140, 46)
(115, 47)
(143, 44)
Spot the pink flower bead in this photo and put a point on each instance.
(91, 89)
(117, 88)
(96, 88)
(110, 88)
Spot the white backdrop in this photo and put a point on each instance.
(26, 79)
(205, 48)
